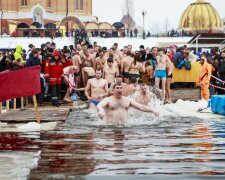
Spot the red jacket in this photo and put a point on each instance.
(44, 68)
(55, 71)
(66, 62)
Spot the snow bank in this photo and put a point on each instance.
(189, 109)
(9, 42)
(17, 165)
(136, 42)
(33, 126)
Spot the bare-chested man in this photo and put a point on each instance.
(87, 59)
(96, 89)
(124, 53)
(115, 108)
(160, 73)
(143, 96)
(130, 89)
(99, 62)
(91, 51)
(125, 66)
(69, 81)
(119, 79)
(110, 72)
(79, 49)
(116, 60)
(87, 73)
(76, 61)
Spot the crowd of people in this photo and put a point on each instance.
(93, 73)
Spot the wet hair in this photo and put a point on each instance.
(119, 76)
(110, 60)
(133, 80)
(116, 84)
(98, 70)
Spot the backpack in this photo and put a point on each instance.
(179, 64)
(187, 65)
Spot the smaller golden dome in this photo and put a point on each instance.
(200, 16)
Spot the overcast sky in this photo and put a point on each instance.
(157, 11)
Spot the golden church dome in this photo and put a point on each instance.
(200, 16)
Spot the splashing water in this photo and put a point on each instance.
(169, 114)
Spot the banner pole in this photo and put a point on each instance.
(36, 109)
(22, 104)
(7, 105)
(0, 107)
(14, 103)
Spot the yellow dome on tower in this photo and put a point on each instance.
(199, 17)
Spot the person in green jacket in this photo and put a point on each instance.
(18, 62)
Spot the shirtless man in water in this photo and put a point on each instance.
(143, 96)
(115, 108)
(96, 89)
(130, 89)
(160, 73)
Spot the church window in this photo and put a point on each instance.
(79, 4)
(23, 2)
(49, 3)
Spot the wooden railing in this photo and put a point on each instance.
(7, 107)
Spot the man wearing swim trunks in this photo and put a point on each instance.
(160, 73)
(125, 66)
(115, 108)
(96, 89)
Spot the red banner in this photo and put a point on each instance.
(19, 83)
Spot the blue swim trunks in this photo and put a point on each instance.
(160, 74)
(95, 102)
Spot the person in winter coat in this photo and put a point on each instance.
(221, 72)
(204, 77)
(19, 62)
(55, 71)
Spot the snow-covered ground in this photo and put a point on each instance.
(9, 42)
(136, 42)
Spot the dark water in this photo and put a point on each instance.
(175, 148)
